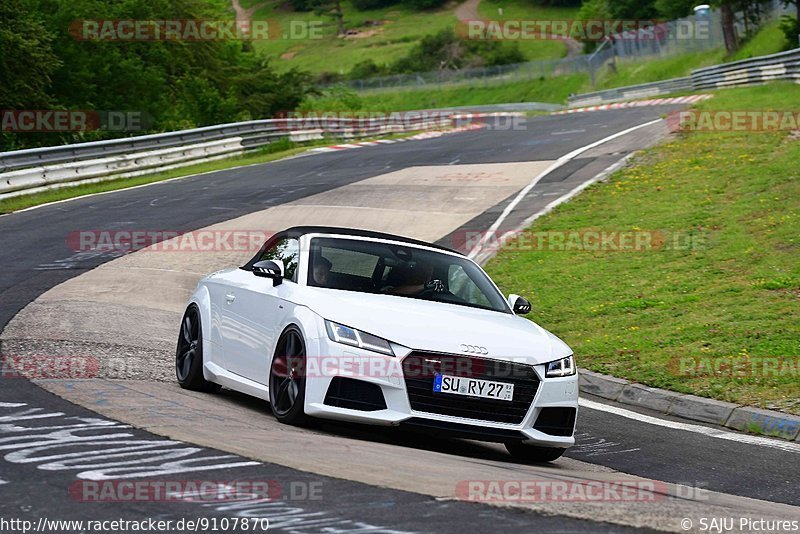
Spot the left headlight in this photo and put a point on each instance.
(562, 367)
(356, 338)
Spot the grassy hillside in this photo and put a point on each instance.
(384, 35)
(731, 296)
(768, 40)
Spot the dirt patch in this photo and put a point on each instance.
(361, 34)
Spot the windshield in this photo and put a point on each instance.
(401, 270)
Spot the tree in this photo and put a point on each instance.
(332, 8)
(27, 61)
(728, 19)
(675, 9)
(175, 83)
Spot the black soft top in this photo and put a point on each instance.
(297, 231)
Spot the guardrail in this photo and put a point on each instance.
(781, 66)
(38, 169)
(630, 92)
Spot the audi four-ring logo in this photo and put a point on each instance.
(474, 349)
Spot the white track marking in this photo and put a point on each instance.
(555, 165)
(11, 404)
(481, 258)
(697, 429)
(3, 481)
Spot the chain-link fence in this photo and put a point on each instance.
(698, 33)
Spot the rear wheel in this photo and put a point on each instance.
(287, 381)
(189, 354)
(533, 454)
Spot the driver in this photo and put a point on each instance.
(411, 278)
(322, 267)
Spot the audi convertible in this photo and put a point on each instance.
(373, 328)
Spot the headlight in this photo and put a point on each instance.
(562, 367)
(356, 338)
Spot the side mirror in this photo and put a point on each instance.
(520, 305)
(269, 269)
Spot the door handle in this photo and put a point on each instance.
(230, 297)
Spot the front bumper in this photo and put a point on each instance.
(554, 399)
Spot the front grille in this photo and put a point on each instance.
(355, 395)
(556, 421)
(420, 368)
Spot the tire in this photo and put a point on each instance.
(189, 354)
(533, 454)
(287, 381)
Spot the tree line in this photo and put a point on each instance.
(176, 84)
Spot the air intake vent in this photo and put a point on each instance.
(355, 395)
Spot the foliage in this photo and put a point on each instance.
(424, 4)
(177, 84)
(445, 50)
(791, 29)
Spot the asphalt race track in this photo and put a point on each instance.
(335, 477)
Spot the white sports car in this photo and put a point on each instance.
(374, 328)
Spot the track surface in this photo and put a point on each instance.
(35, 259)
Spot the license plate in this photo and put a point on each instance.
(473, 387)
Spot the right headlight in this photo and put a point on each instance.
(560, 368)
(356, 338)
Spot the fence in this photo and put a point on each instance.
(781, 66)
(693, 34)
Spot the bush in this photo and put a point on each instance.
(363, 5)
(424, 4)
(366, 69)
(791, 29)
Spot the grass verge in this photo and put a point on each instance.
(555, 90)
(716, 316)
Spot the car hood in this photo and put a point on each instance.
(438, 327)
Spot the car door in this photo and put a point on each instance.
(253, 313)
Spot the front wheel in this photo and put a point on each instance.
(189, 354)
(287, 381)
(532, 453)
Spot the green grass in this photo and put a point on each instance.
(401, 29)
(770, 39)
(272, 152)
(553, 90)
(527, 10)
(735, 294)
(391, 41)
(652, 70)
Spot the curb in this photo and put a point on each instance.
(691, 407)
(691, 99)
(430, 134)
